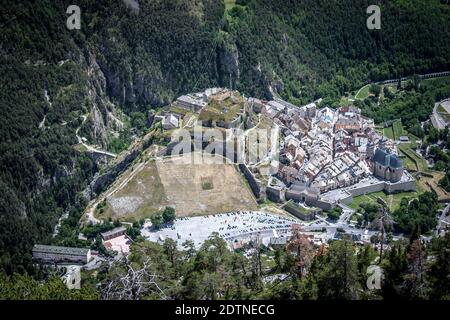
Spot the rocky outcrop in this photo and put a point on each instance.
(102, 120)
(128, 87)
(103, 180)
(228, 61)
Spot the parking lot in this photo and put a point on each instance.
(233, 226)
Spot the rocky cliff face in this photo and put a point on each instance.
(102, 115)
(102, 181)
(228, 62)
(128, 88)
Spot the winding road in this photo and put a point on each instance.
(89, 147)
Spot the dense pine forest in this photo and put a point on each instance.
(124, 61)
(323, 48)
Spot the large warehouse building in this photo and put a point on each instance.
(57, 255)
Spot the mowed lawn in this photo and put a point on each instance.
(420, 162)
(229, 4)
(408, 163)
(363, 92)
(388, 133)
(393, 200)
(397, 129)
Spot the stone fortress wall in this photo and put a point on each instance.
(386, 186)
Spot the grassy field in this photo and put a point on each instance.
(441, 108)
(191, 188)
(393, 200)
(80, 147)
(408, 162)
(443, 112)
(292, 205)
(388, 133)
(273, 208)
(179, 110)
(295, 209)
(222, 108)
(363, 92)
(406, 149)
(229, 4)
(139, 198)
(397, 129)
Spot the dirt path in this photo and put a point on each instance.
(89, 147)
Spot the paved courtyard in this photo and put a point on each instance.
(119, 244)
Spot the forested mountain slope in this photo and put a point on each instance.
(323, 48)
(126, 60)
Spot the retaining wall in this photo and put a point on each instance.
(255, 185)
(381, 186)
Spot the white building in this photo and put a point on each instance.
(170, 122)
